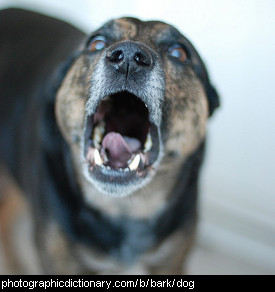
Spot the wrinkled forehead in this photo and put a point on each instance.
(128, 28)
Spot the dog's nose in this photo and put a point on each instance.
(128, 56)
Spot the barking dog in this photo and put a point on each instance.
(105, 136)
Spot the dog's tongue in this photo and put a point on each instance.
(119, 148)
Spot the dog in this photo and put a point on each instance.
(105, 136)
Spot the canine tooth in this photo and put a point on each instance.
(97, 158)
(90, 154)
(134, 164)
(148, 143)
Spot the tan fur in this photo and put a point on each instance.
(71, 99)
(128, 29)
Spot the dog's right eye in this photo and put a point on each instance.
(97, 43)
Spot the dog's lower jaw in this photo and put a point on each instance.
(138, 201)
(113, 189)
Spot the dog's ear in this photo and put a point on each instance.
(212, 96)
(211, 92)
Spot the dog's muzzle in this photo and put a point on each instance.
(123, 118)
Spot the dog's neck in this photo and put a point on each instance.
(110, 227)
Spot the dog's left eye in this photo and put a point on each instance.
(97, 43)
(178, 52)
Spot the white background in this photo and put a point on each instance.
(236, 39)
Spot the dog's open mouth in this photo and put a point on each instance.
(119, 136)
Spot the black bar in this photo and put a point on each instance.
(185, 283)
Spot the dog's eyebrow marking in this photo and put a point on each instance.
(126, 28)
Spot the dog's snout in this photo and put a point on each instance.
(129, 56)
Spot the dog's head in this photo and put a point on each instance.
(137, 96)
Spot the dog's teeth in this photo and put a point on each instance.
(98, 134)
(148, 143)
(134, 164)
(97, 158)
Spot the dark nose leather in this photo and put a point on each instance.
(129, 57)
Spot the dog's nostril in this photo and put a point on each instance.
(142, 59)
(129, 57)
(115, 56)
